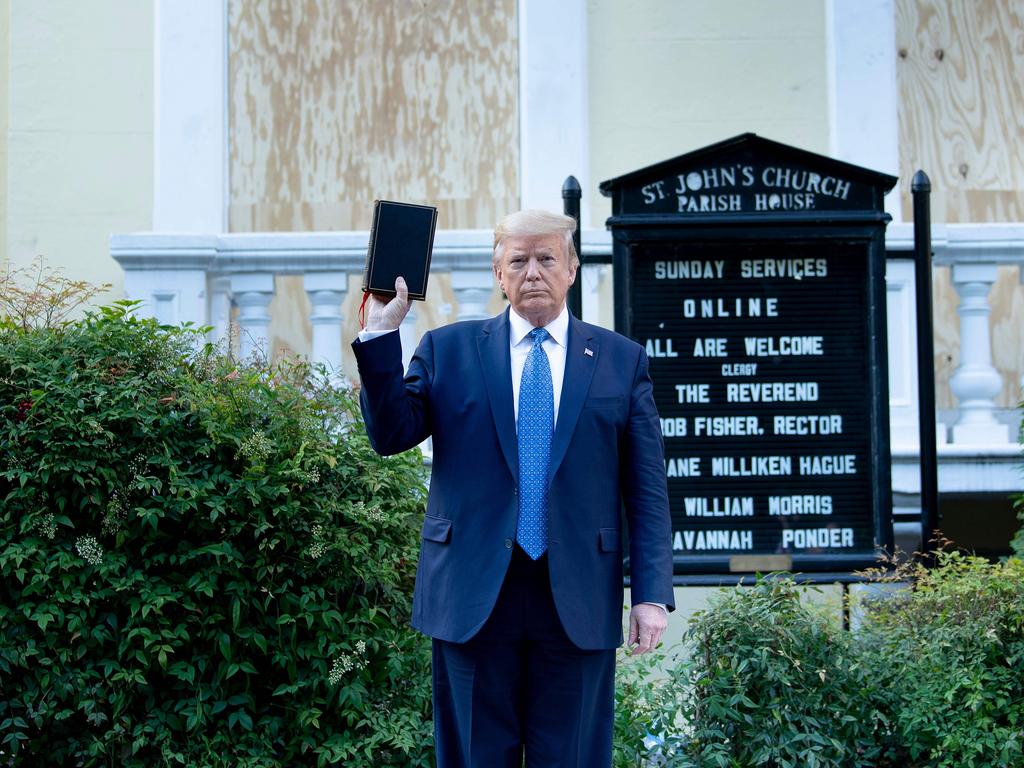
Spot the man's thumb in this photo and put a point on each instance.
(401, 288)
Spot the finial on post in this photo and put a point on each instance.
(571, 195)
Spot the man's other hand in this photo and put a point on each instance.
(646, 624)
(384, 315)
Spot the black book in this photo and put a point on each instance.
(401, 242)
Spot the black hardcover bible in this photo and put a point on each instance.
(401, 241)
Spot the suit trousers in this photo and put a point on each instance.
(520, 689)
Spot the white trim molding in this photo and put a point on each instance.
(553, 108)
(190, 147)
(863, 95)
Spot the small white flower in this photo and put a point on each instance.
(256, 447)
(342, 665)
(89, 549)
(47, 526)
(317, 549)
(346, 663)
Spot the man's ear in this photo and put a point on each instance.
(497, 276)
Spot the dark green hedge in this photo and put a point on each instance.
(201, 563)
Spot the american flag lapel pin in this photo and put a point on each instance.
(588, 352)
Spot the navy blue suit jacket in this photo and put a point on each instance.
(606, 459)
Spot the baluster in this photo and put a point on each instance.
(326, 291)
(253, 292)
(976, 382)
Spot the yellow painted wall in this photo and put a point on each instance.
(335, 104)
(80, 132)
(669, 77)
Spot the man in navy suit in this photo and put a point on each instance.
(545, 437)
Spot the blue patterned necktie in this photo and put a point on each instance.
(536, 424)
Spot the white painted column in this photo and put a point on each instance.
(862, 88)
(253, 292)
(976, 382)
(473, 289)
(326, 291)
(553, 104)
(190, 71)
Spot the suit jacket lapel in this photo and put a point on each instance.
(493, 347)
(579, 371)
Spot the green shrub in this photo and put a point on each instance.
(201, 563)
(934, 677)
(948, 660)
(638, 703)
(766, 680)
(1017, 544)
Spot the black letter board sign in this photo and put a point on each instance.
(754, 275)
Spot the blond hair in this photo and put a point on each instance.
(532, 223)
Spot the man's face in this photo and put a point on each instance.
(535, 274)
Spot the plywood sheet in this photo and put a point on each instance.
(960, 67)
(334, 104)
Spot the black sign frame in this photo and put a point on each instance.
(861, 229)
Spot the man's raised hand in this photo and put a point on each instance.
(387, 316)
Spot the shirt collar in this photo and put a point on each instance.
(520, 327)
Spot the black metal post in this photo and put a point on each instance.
(921, 188)
(571, 194)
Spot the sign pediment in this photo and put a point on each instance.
(747, 174)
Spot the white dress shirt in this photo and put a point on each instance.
(554, 346)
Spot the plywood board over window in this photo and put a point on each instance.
(334, 104)
(960, 66)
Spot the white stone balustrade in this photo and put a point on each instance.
(974, 252)
(203, 278)
(982, 455)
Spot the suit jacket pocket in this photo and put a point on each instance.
(437, 529)
(609, 540)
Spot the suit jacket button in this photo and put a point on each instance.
(508, 543)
